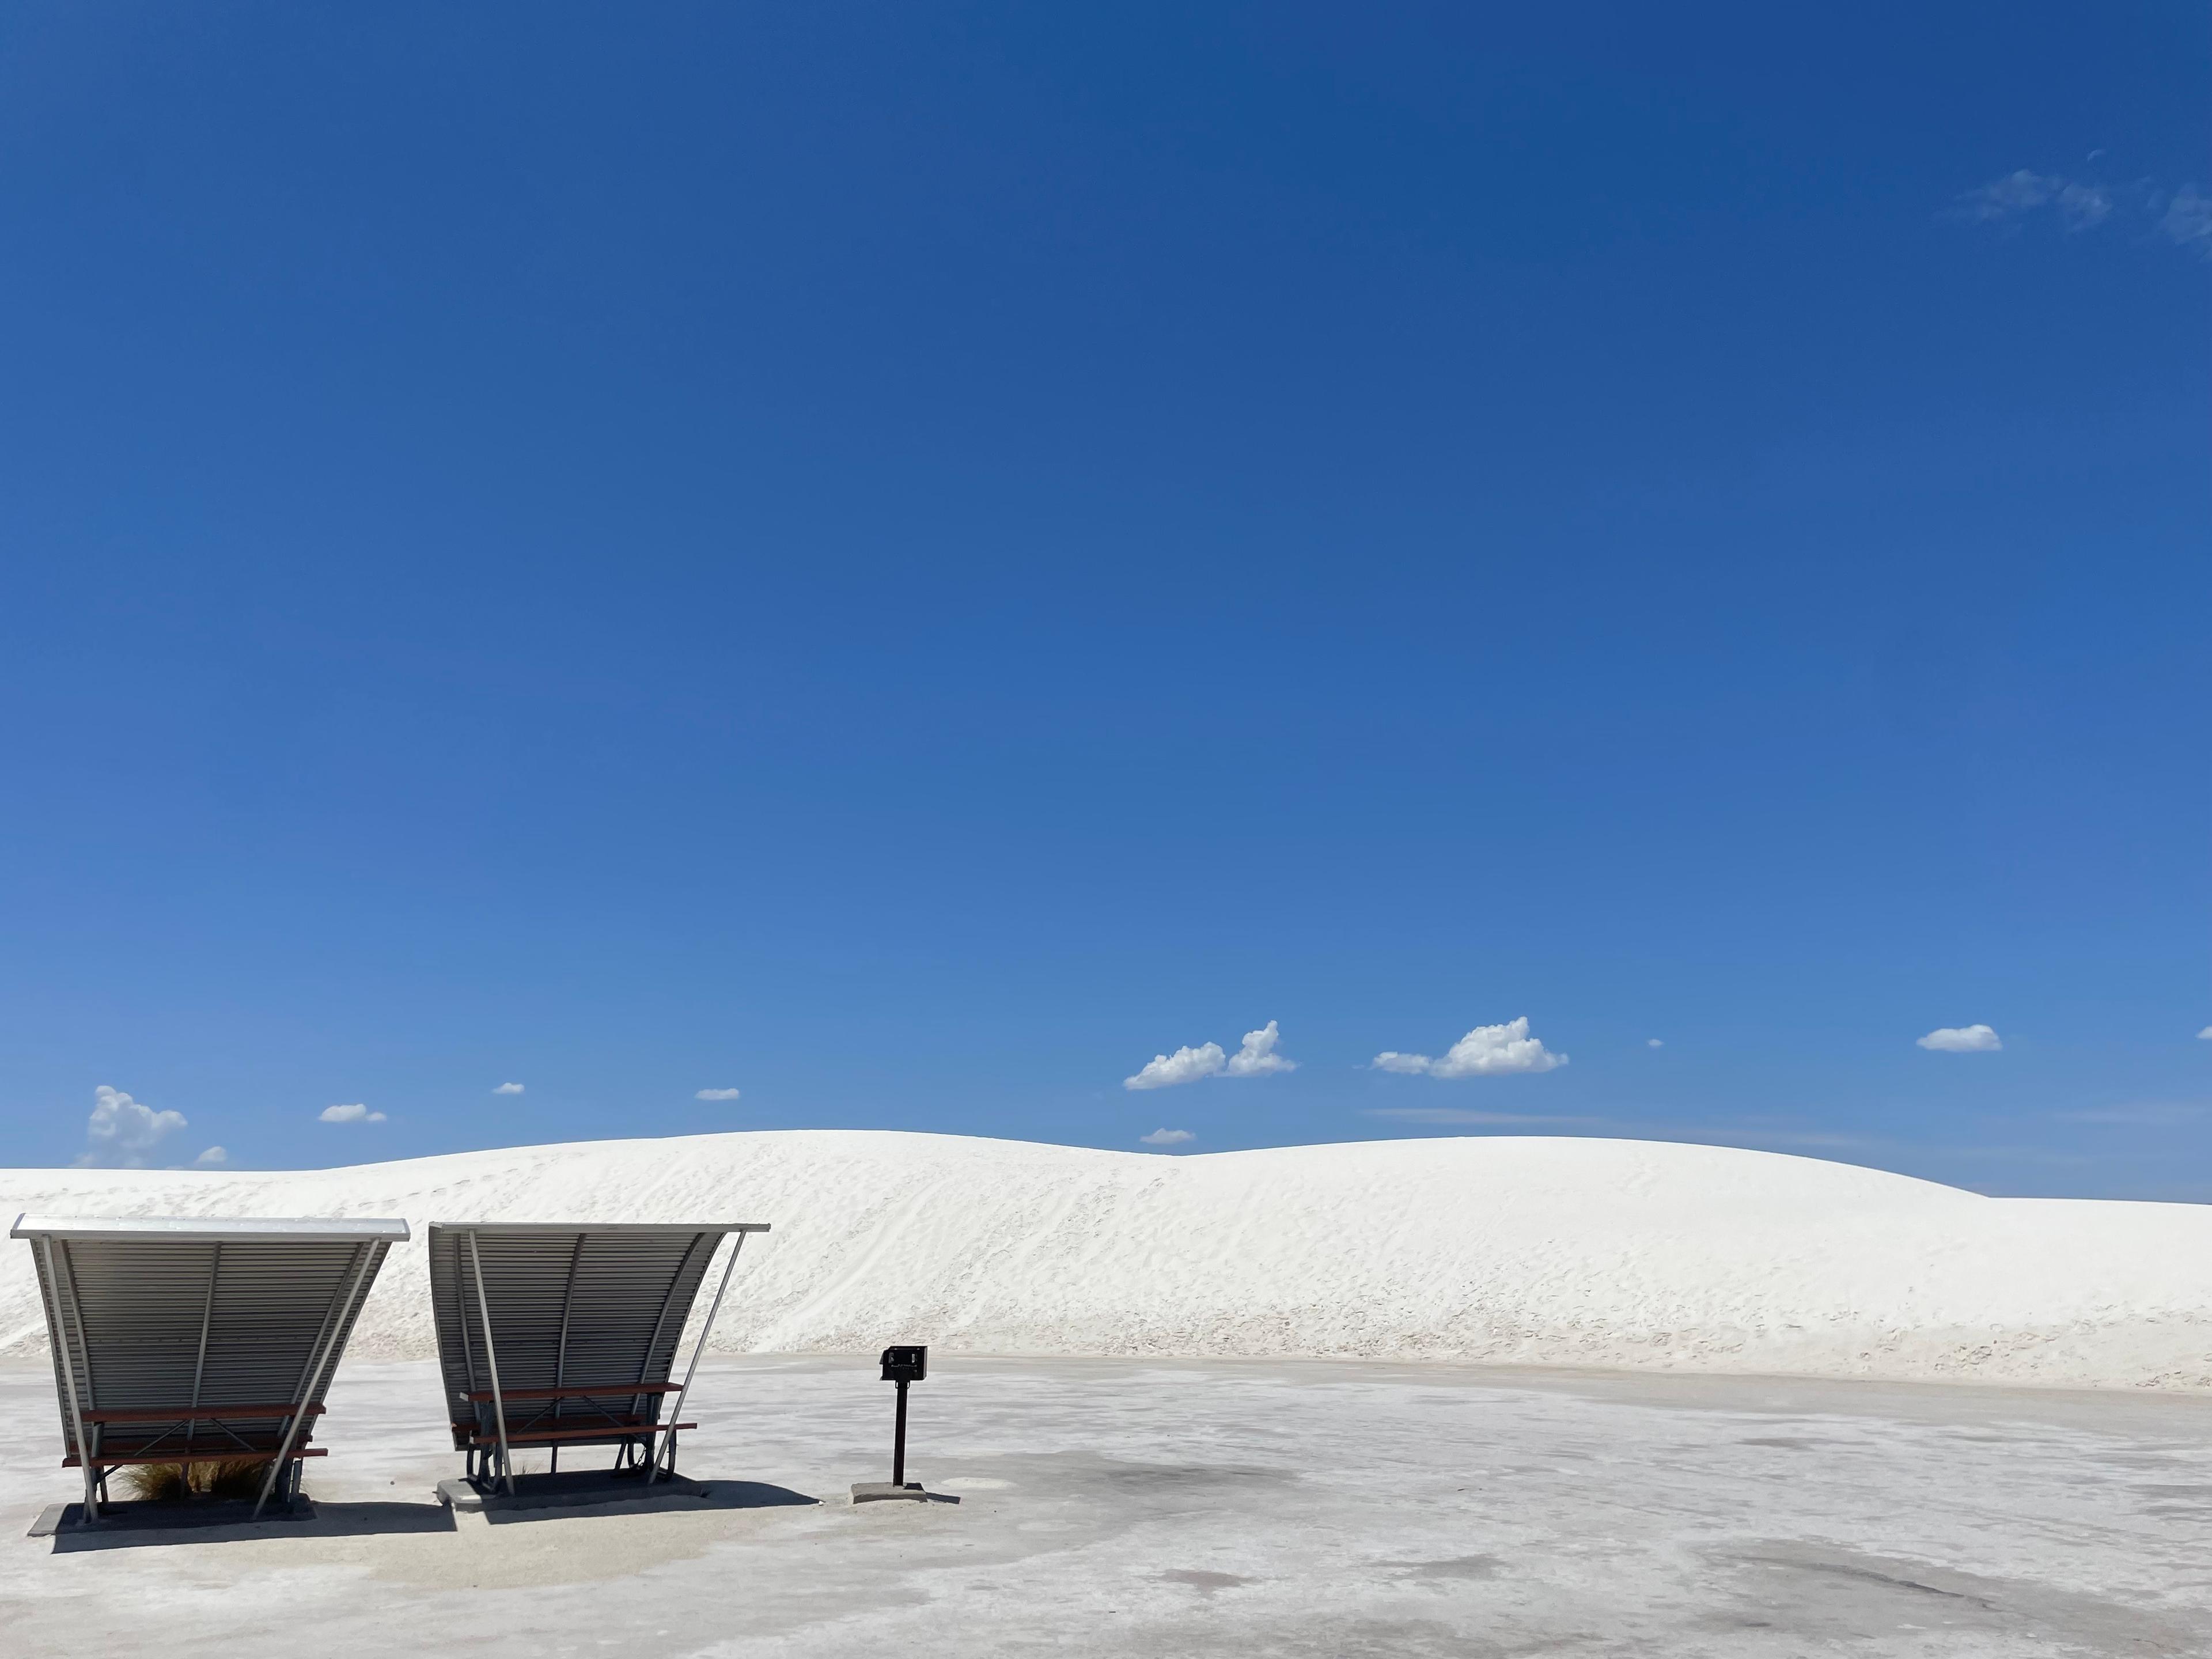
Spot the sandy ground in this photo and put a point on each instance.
(1506, 1250)
(1205, 1507)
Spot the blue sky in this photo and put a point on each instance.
(908, 560)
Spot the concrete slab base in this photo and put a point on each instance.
(1234, 1509)
(143, 1517)
(582, 1488)
(876, 1491)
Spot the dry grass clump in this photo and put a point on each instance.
(229, 1477)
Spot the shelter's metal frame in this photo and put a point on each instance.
(180, 1340)
(565, 1334)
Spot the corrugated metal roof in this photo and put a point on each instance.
(329, 1228)
(197, 1335)
(591, 1305)
(570, 1227)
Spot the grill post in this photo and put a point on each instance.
(898, 1438)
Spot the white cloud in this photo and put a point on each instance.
(717, 1094)
(356, 1113)
(1960, 1040)
(2205, 1036)
(2083, 205)
(1257, 1058)
(1167, 1137)
(508, 1089)
(1391, 1060)
(121, 1131)
(1184, 1066)
(2183, 217)
(2006, 198)
(1654, 1042)
(1493, 1048)
(1486, 1051)
(2079, 202)
(213, 1155)
(2187, 222)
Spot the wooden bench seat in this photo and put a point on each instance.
(195, 1413)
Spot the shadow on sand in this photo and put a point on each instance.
(134, 1526)
(548, 1497)
(537, 1497)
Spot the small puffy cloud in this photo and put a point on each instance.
(717, 1094)
(122, 1132)
(213, 1155)
(1486, 1051)
(1167, 1137)
(1257, 1058)
(1960, 1040)
(2205, 1036)
(1391, 1060)
(356, 1113)
(1654, 1042)
(1492, 1049)
(508, 1089)
(1184, 1066)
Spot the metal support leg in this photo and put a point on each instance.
(491, 1363)
(318, 1373)
(668, 1441)
(199, 1364)
(61, 1332)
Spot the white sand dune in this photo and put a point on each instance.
(1631, 1254)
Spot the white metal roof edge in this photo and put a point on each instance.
(302, 1229)
(599, 1226)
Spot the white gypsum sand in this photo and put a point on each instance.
(1527, 1250)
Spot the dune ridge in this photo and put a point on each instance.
(1522, 1250)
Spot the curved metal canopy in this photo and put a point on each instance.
(555, 1333)
(180, 1339)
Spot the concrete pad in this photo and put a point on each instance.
(1147, 1509)
(877, 1491)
